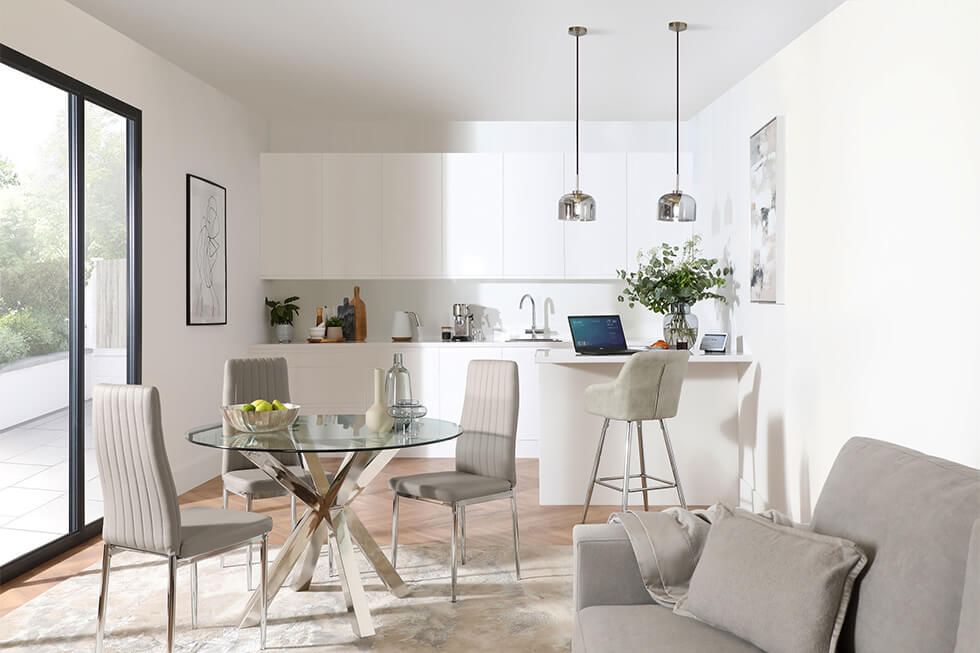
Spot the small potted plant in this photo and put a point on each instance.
(335, 328)
(281, 315)
(669, 281)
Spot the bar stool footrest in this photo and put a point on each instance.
(665, 485)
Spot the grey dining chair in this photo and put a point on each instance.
(141, 507)
(486, 468)
(648, 387)
(248, 379)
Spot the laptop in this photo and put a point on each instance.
(598, 335)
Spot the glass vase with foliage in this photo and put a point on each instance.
(669, 280)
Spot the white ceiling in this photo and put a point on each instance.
(445, 60)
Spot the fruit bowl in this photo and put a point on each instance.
(260, 421)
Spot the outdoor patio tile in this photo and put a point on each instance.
(11, 474)
(17, 441)
(51, 478)
(93, 510)
(52, 517)
(14, 543)
(16, 502)
(43, 455)
(93, 489)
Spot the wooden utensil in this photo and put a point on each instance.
(360, 316)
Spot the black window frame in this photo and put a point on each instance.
(78, 94)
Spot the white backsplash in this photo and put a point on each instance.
(496, 301)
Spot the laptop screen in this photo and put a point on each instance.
(597, 332)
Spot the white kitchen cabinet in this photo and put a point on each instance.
(595, 250)
(411, 215)
(291, 217)
(351, 215)
(528, 420)
(473, 215)
(648, 176)
(533, 235)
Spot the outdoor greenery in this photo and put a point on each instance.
(673, 275)
(34, 231)
(282, 312)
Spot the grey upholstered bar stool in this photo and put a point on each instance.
(141, 508)
(486, 468)
(648, 387)
(248, 379)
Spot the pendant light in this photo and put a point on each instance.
(576, 206)
(676, 206)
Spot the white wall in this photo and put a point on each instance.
(881, 197)
(188, 126)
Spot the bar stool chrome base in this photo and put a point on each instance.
(624, 488)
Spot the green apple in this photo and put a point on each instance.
(278, 405)
(258, 402)
(248, 408)
(264, 407)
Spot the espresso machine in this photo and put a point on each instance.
(462, 323)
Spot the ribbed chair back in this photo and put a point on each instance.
(248, 379)
(649, 385)
(488, 444)
(141, 509)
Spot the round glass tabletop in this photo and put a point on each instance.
(327, 433)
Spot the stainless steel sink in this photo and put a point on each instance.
(530, 339)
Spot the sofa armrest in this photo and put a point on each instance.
(606, 572)
(968, 635)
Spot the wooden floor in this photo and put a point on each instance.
(418, 522)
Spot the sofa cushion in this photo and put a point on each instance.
(912, 515)
(651, 629)
(783, 589)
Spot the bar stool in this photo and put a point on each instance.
(648, 388)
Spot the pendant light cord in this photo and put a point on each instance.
(577, 39)
(677, 114)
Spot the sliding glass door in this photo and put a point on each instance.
(69, 298)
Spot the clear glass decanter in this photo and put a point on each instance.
(398, 384)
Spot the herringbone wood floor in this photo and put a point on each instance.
(418, 522)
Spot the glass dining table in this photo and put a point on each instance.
(362, 455)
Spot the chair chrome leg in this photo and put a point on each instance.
(103, 597)
(194, 595)
(626, 468)
(248, 551)
(643, 465)
(292, 511)
(462, 535)
(394, 531)
(263, 572)
(171, 604)
(673, 464)
(517, 536)
(330, 567)
(224, 505)
(595, 469)
(452, 554)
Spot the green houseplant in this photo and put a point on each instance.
(334, 328)
(281, 315)
(669, 280)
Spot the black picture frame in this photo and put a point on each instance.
(207, 304)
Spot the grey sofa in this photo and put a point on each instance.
(916, 517)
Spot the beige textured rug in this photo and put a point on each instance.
(494, 611)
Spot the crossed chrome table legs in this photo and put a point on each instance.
(329, 514)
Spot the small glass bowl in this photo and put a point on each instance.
(407, 410)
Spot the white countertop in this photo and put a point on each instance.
(302, 345)
(569, 357)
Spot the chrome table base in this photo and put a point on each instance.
(329, 515)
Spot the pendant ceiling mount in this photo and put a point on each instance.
(677, 206)
(576, 206)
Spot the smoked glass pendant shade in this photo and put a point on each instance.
(576, 207)
(676, 207)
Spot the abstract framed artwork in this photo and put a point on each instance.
(207, 255)
(766, 162)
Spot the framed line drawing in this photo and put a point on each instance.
(207, 255)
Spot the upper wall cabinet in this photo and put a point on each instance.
(292, 216)
(473, 215)
(595, 250)
(351, 215)
(411, 215)
(648, 176)
(534, 243)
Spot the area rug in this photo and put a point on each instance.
(494, 611)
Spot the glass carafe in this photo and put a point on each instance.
(398, 384)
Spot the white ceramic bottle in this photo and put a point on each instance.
(376, 418)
